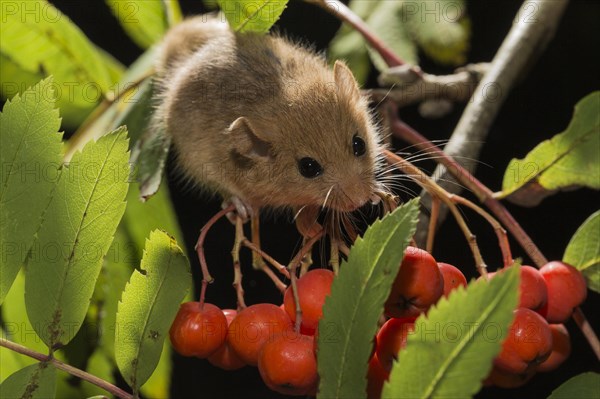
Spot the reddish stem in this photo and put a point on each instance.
(292, 269)
(507, 258)
(280, 268)
(485, 196)
(341, 11)
(206, 277)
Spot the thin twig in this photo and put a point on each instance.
(534, 26)
(486, 196)
(280, 268)
(407, 88)
(107, 386)
(237, 270)
(503, 243)
(257, 260)
(435, 210)
(278, 283)
(307, 260)
(295, 262)
(587, 330)
(334, 259)
(341, 11)
(206, 277)
(294, 285)
(434, 189)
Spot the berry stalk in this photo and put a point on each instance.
(486, 197)
(341, 11)
(434, 189)
(206, 277)
(237, 270)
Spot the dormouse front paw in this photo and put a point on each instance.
(243, 210)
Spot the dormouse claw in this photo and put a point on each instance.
(242, 209)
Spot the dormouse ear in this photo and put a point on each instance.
(246, 141)
(344, 80)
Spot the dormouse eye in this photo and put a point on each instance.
(358, 146)
(309, 168)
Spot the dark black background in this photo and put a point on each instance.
(539, 106)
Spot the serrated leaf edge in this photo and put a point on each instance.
(359, 242)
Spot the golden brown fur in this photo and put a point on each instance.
(243, 109)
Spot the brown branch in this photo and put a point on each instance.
(486, 196)
(92, 379)
(409, 88)
(534, 26)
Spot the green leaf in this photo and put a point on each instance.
(157, 386)
(583, 251)
(586, 385)
(126, 253)
(14, 79)
(350, 314)
(30, 155)
(569, 159)
(18, 329)
(386, 22)
(148, 307)
(441, 29)
(142, 217)
(150, 157)
(32, 382)
(453, 348)
(119, 263)
(350, 46)
(252, 15)
(144, 21)
(79, 225)
(132, 108)
(40, 39)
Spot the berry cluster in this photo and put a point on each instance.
(260, 335)
(263, 335)
(537, 340)
(420, 283)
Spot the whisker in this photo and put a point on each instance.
(327, 197)
(298, 213)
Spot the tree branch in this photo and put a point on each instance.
(341, 11)
(535, 24)
(408, 88)
(107, 386)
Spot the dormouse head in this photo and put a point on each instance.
(318, 147)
